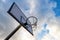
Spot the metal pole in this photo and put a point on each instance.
(12, 33)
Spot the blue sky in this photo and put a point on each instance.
(57, 8)
(47, 12)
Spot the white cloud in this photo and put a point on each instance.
(4, 1)
(46, 15)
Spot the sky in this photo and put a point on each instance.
(47, 12)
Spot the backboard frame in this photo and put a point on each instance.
(16, 18)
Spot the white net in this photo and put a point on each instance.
(33, 21)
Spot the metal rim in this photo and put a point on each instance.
(34, 18)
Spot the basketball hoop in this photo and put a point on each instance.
(33, 21)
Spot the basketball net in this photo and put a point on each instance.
(33, 21)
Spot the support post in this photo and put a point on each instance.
(12, 33)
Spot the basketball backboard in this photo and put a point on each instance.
(20, 17)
